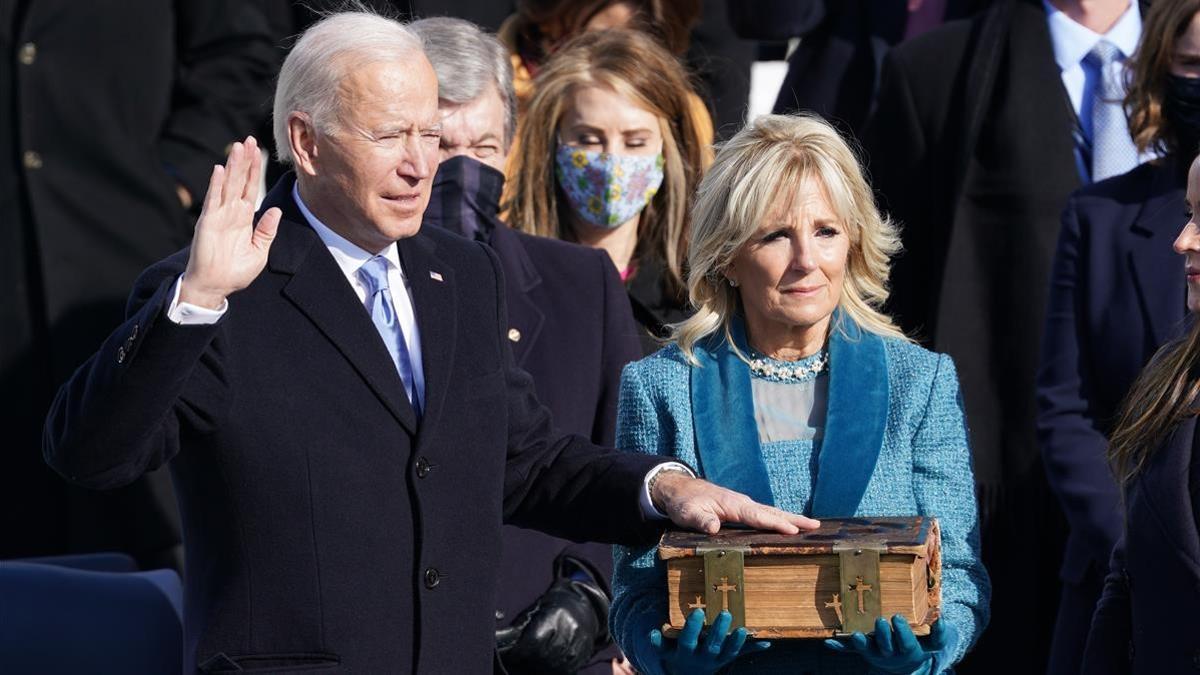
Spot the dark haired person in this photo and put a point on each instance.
(1115, 297)
(1143, 623)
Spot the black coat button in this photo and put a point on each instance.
(423, 467)
(432, 577)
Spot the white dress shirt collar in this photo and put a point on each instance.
(348, 256)
(1072, 41)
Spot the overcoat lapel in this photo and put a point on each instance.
(1152, 232)
(521, 277)
(855, 421)
(319, 290)
(723, 419)
(432, 284)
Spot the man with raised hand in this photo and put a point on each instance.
(336, 396)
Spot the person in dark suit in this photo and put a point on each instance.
(1142, 624)
(114, 114)
(336, 395)
(570, 328)
(834, 70)
(983, 129)
(1115, 297)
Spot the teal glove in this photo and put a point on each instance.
(688, 655)
(894, 650)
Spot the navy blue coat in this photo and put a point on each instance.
(325, 527)
(571, 329)
(1146, 623)
(1116, 294)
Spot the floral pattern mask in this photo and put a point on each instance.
(605, 189)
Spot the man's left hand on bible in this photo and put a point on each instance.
(697, 504)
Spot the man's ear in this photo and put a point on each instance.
(302, 136)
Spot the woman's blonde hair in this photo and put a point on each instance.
(1147, 74)
(759, 171)
(634, 66)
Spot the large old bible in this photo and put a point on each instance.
(822, 583)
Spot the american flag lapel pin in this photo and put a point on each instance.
(436, 276)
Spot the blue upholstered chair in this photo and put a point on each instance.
(89, 614)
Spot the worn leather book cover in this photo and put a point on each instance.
(821, 583)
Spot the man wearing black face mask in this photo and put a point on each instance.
(1116, 294)
(572, 329)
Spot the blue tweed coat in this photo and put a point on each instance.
(895, 443)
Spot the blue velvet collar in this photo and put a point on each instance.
(727, 435)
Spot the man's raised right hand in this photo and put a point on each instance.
(228, 251)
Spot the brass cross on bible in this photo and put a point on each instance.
(861, 589)
(725, 587)
(837, 607)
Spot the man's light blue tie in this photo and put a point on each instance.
(1113, 151)
(374, 276)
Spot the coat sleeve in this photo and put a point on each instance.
(563, 485)
(1072, 443)
(944, 486)
(1107, 651)
(226, 61)
(639, 577)
(120, 414)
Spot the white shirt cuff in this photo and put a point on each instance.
(649, 510)
(187, 314)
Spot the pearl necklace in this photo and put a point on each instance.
(782, 371)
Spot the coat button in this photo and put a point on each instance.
(423, 467)
(32, 160)
(27, 54)
(514, 335)
(499, 615)
(432, 577)
(133, 335)
(120, 355)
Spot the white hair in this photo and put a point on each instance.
(324, 54)
(467, 59)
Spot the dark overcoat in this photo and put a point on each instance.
(1144, 624)
(835, 69)
(325, 526)
(1116, 294)
(107, 106)
(971, 150)
(571, 329)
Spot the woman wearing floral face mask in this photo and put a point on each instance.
(609, 157)
(1115, 296)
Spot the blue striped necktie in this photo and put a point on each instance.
(374, 275)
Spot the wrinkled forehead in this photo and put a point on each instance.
(388, 91)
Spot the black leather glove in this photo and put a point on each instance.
(559, 633)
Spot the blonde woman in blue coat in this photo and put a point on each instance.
(791, 385)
